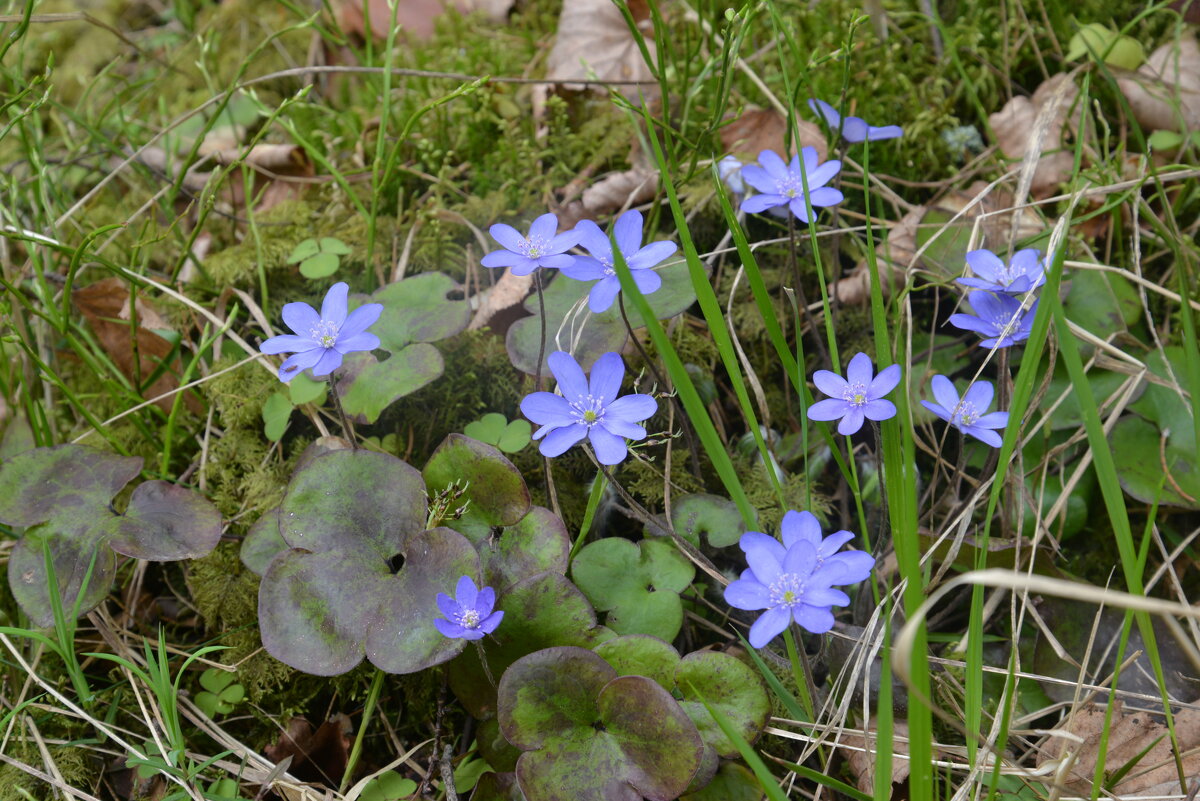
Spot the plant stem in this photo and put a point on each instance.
(347, 428)
(487, 671)
(368, 711)
(537, 375)
(799, 289)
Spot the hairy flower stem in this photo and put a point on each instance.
(799, 289)
(368, 711)
(688, 432)
(347, 428)
(537, 376)
(487, 671)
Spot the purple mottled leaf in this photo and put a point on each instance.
(497, 493)
(164, 522)
(368, 386)
(71, 551)
(538, 543)
(61, 482)
(731, 687)
(263, 543)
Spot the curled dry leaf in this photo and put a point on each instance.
(1165, 91)
(861, 755)
(509, 291)
(1017, 131)
(131, 343)
(594, 43)
(318, 756)
(413, 17)
(1153, 774)
(759, 129)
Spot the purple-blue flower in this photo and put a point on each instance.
(469, 613)
(730, 170)
(859, 395)
(794, 580)
(783, 184)
(628, 233)
(854, 129)
(588, 409)
(970, 414)
(1000, 318)
(320, 340)
(1024, 272)
(544, 247)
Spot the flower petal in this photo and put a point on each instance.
(800, 527)
(756, 204)
(800, 558)
(764, 554)
(485, 601)
(809, 155)
(770, 624)
(448, 606)
(933, 407)
(563, 242)
(814, 619)
(623, 428)
(876, 133)
(510, 238)
(301, 318)
(823, 109)
(983, 435)
(610, 449)
(993, 420)
(584, 269)
(821, 175)
(985, 264)
(879, 410)
(594, 240)
(944, 392)
(631, 409)
(857, 565)
(772, 164)
(826, 596)
(855, 129)
(544, 227)
(465, 592)
(607, 374)
(799, 208)
(759, 178)
(360, 320)
(852, 422)
(558, 441)
(555, 261)
(330, 360)
(335, 306)
(364, 341)
(603, 293)
(503, 258)
(450, 630)
(651, 255)
(547, 409)
(971, 323)
(647, 281)
(571, 382)
(828, 409)
(748, 595)
(825, 196)
(829, 546)
(830, 383)
(287, 343)
(628, 232)
(979, 395)
(301, 361)
(860, 370)
(885, 382)
(489, 623)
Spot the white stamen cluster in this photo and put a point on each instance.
(967, 414)
(534, 247)
(588, 410)
(324, 334)
(787, 590)
(469, 619)
(855, 394)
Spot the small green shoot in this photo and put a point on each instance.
(495, 429)
(221, 692)
(318, 258)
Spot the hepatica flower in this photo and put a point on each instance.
(794, 580)
(588, 409)
(1002, 319)
(320, 340)
(970, 413)
(1024, 272)
(469, 613)
(854, 129)
(628, 233)
(544, 247)
(859, 395)
(783, 184)
(730, 170)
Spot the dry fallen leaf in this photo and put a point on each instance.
(862, 762)
(318, 756)
(1129, 735)
(1016, 129)
(106, 306)
(893, 257)
(760, 129)
(594, 43)
(507, 292)
(414, 17)
(1170, 75)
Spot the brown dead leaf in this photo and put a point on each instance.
(760, 129)
(318, 756)
(507, 292)
(1171, 75)
(594, 43)
(862, 762)
(276, 168)
(106, 306)
(893, 257)
(1016, 130)
(415, 18)
(1129, 734)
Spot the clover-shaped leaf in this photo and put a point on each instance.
(388, 786)
(538, 543)
(416, 311)
(220, 694)
(717, 518)
(318, 258)
(727, 684)
(539, 612)
(588, 733)
(638, 585)
(496, 492)
(597, 333)
(495, 429)
(63, 495)
(349, 517)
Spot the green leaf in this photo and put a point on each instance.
(1104, 303)
(591, 735)
(716, 518)
(733, 782)
(488, 428)
(335, 246)
(538, 543)
(303, 389)
(516, 436)
(1164, 140)
(729, 686)
(322, 265)
(262, 542)
(638, 585)
(305, 250)
(165, 523)
(276, 412)
(1096, 40)
(641, 655)
(388, 786)
(496, 492)
(368, 386)
(1145, 456)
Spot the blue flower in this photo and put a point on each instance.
(544, 247)
(1025, 272)
(320, 340)
(628, 233)
(1001, 318)
(970, 414)
(783, 184)
(730, 170)
(469, 614)
(794, 580)
(856, 396)
(590, 410)
(854, 129)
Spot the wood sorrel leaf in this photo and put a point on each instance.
(590, 734)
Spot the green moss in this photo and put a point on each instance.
(70, 761)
